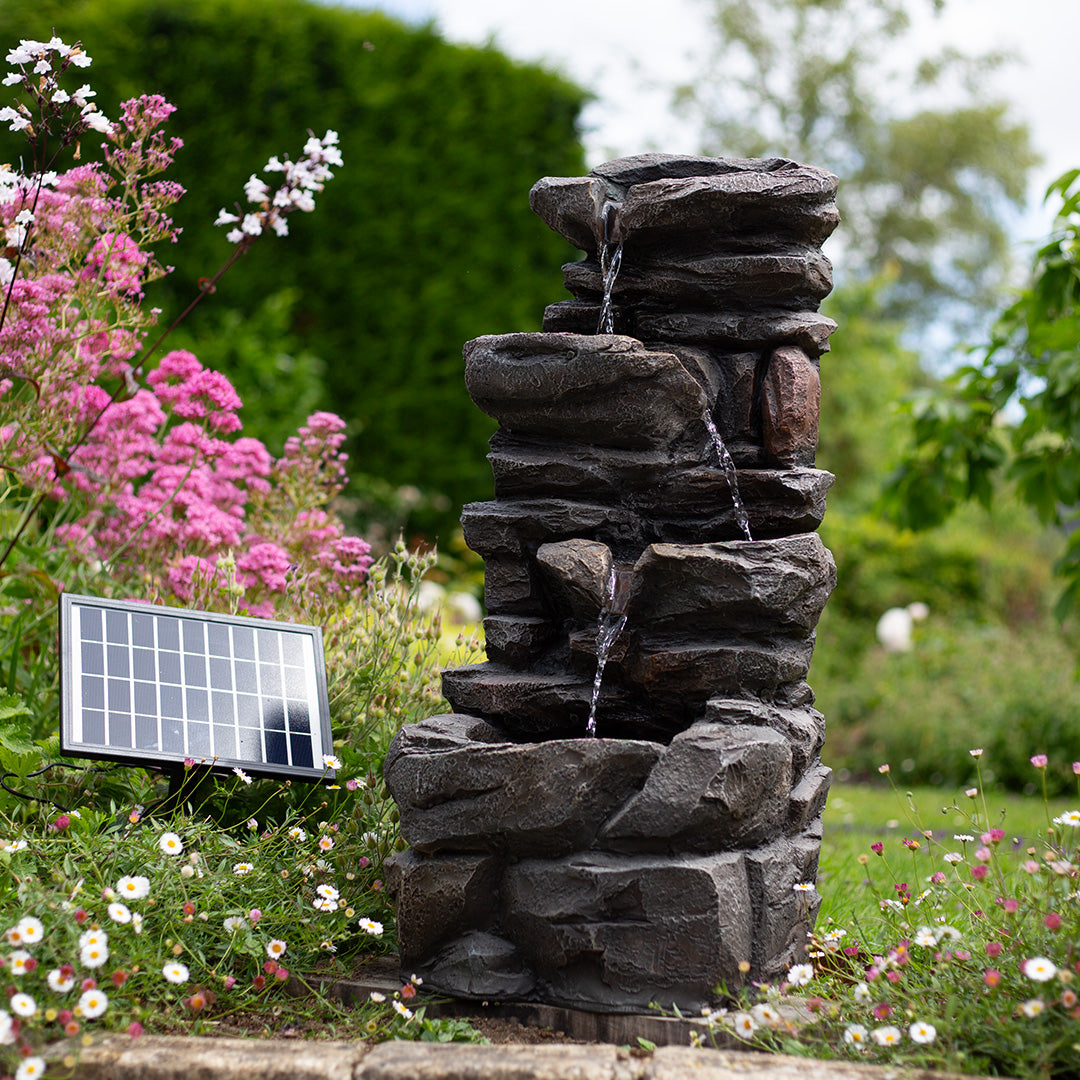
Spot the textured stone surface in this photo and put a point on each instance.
(802, 726)
(714, 788)
(738, 586)
(438, 898)
(478, 965)
(782, 916)
(577, 572)
(546, 798)
(623, 931)
(808, 798)
(603, 390)
(791, 404)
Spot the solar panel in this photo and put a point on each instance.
(159, 685)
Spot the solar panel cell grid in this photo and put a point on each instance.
(168, 683)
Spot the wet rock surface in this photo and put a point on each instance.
(660, 858)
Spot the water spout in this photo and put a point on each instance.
(608, 627)
(730, 475)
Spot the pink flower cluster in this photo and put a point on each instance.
(154, 482)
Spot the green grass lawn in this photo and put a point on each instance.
(858, 815)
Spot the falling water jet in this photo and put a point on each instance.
(730, 475)
(608, 628)
(610, 249)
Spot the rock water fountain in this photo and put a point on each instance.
(660, 857)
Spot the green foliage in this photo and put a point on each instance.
(928, 163)
(1015, 413)
(441, 144)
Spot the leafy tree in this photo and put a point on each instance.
(1014, 414)
(928, 162)
(424, 240)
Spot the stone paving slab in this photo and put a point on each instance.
(195, 1058)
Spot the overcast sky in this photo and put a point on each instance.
(630, 53)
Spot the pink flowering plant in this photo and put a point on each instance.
(969, 961)
(125, 472)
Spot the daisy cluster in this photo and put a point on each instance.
(975, 964)
(160, 922)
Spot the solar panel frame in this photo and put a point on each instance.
(155, 685)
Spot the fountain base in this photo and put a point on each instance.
(603, 874)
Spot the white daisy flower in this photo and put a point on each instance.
(175, 973)
(22, 1005)
(119, 913)
(137, 887)
(58, 982)
(275, 948)
(370, 926)
(170, 843)
(922, 1032)
(93, 1003)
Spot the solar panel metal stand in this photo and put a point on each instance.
(185, 784)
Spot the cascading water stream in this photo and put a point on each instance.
(730, 475)
(610, 249)
(608, 628)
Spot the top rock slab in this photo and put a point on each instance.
(725, 201)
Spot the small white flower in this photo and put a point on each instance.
(744, 1024)
(98, 122)
(855, 1035)
(17, 961)
(93, 1003)
(12, 77)
(376, 996)
(886, 1036)
(370, 926)
(30, 930)
(953, 857)
(58, 982)
(275, 948)
(93, 937)
(964, 838)
(7, 1035)
(764, 1013)
(861, 992)
(22, 1005)
(976, 753)
(225, 218)
(925, 936)
(30, 1068)
(402, 1010)
(922, 1032)
(1031, 1008)
(234, 923)
(322, 904)
(137, 887)
(136, 922)
(256, 190)
(170, 843)
(326, 842)
(175, 973)
(331, 762)
(12, 846)
(94, 955)
(328, 892)
(804, 886)
(240, 773)
(800, 974)
(296, 833)
(242, 868)
(1071, 818)
(119, 913)
(1039, 969)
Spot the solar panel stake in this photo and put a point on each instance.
(185, 784)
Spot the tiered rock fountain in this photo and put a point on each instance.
(658, 859)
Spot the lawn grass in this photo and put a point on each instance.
(858, 815)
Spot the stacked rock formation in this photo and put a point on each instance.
(659, 859)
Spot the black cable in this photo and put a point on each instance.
(45, 768)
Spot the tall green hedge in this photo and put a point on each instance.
(424, 240)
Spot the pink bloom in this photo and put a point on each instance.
(135, 1029)
(61, 823)
(877, 848)
(979, 872)
(1039, 761)
(1012, 906)
(1052, 921)
(937, 878)
(882, 1010)
(993, 948)
(992, 977)
(983, 854)
(254, 915)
